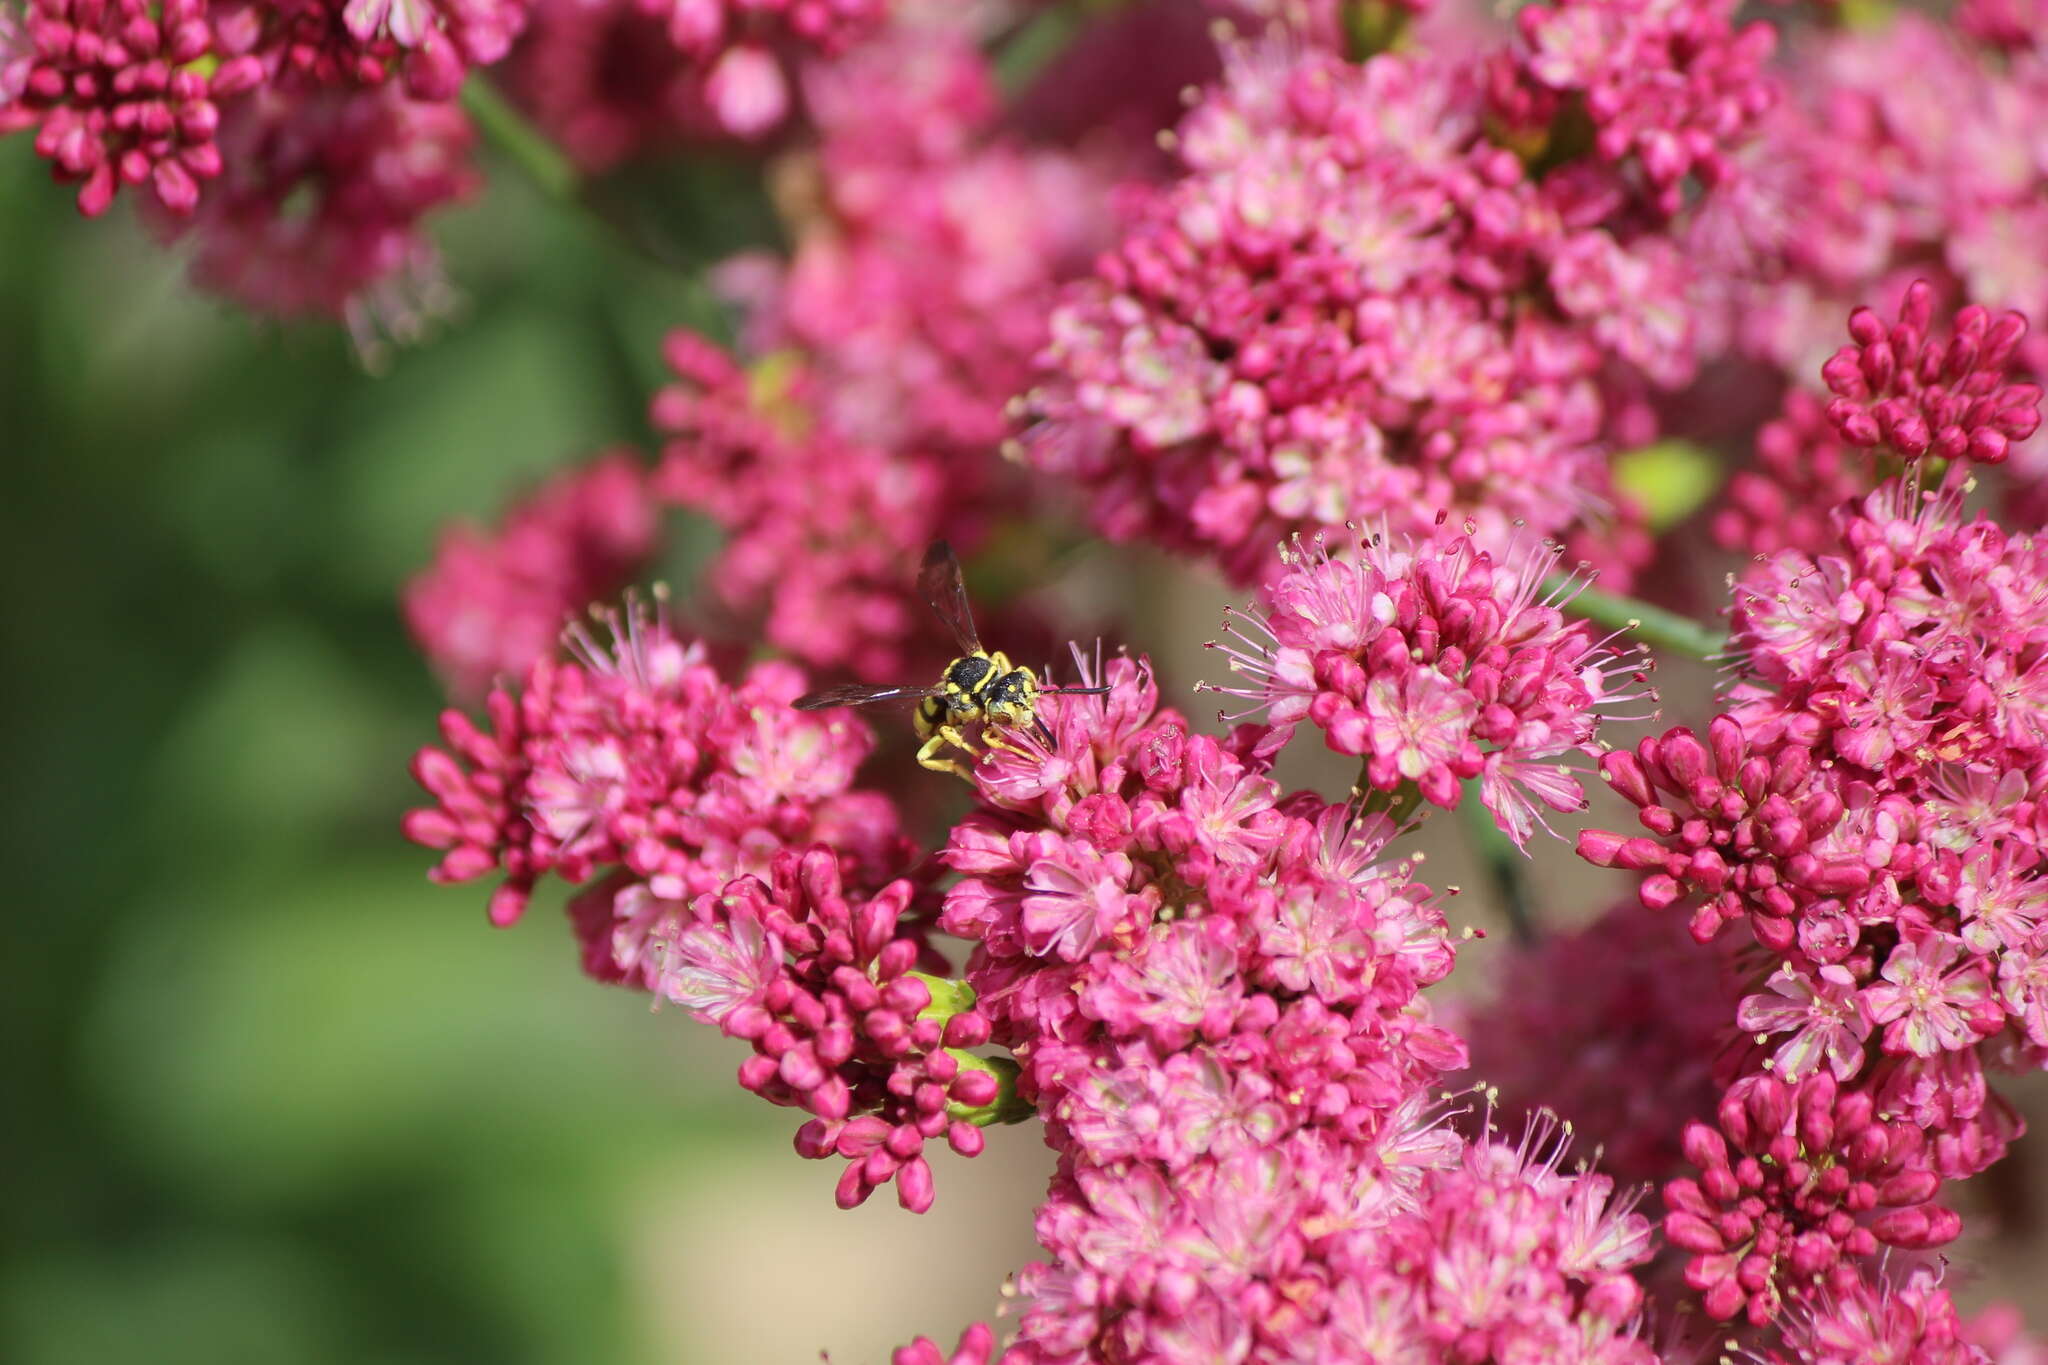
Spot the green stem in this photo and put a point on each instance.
(1033, 47)
(508, 130)
(1503, 862)
(1655, 626)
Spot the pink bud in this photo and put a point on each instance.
(914, 1186)
(1917, 1229)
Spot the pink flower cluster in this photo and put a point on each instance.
(1898, 394)
(127, 93)
(821, 983)
(637, 757)
(317, 210)
(924, 261)
(1330, 315)
(746, 449)
(300, 143)
(121, 92)
(887, 349)
(1616, 1027)
(1784, 1182)
(1866, 806)
(1212, 990)
(1896, 388)
(1437, 662)
(737, 47)
(1669, 90)
(492, 604)
(1902, 152)
(1431, 292)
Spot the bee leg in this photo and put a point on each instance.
(930, 754)
(995, 738)
(1044, 733)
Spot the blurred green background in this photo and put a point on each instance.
(270, 1097)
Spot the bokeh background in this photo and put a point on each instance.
(270, 1097)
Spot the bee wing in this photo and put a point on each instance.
(860, 694)
(940, 582)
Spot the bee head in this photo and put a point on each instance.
(1012, 699)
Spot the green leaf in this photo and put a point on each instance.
(1669, 480)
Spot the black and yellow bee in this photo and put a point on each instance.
(979, 686)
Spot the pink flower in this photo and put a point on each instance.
(493, 604)
(637, 756)
(1180, 983)
(820, 983)
(1672, 88)
(747, 450)
(1934, 997)
(2002, 896)
(1435, 662)
(1910, 1318)
(1309, 326)
(1896, 388)
(717, 970)
(1417, 724)
(121, 92)
(1771, 1216)
(2023, 987)
(1075, 896)
(318, 209)
(1823, 1014)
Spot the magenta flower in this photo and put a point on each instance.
(1897, 389)
(1416, 728)
(121, 92)
(637, 756)
(1075, 896)
(821, 984)
(748, 451)
(2023, 986)
(1671, 88)
(1772, 1216)
(2001, 895)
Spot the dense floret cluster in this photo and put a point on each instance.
(1431, 333)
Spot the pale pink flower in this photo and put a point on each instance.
(1824, 1015)
(1934, 997)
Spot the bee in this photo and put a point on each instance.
(978, 686)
